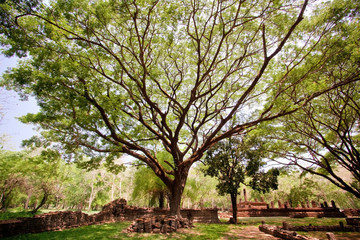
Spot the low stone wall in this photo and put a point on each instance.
(207, 215)
(353, 221)
(159, 224)
(112, 212)
(292, 212)
(335, 228)
(352, 212)
(338, 228)
(45, 222)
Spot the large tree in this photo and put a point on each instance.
(144, 77)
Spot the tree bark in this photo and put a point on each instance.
(234, 206)
(112, 188)
(177, 189)
(43, 201)
(175, 200)
(91, 197)
(161, 199)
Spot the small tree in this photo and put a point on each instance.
(11, 177)
(45, 174)
(233, 160)
(148, 185)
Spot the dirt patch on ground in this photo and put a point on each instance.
(253, 232)
(236, 232)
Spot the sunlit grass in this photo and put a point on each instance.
(201, 231)
(115, 231)
(105, 231)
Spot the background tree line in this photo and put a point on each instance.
(31, 181)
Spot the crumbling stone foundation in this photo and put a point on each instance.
(283, 234)
(159, 224)
(115, 211)
(287, 231)
(291, 212)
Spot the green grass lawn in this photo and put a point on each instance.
(114, 231)
(201, 231)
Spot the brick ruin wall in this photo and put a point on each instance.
(292, 212)
(112, 212)
(287, 231)
(352, 212)
(305, 210)
(119, 211)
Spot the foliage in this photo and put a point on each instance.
(148, 187)
(10, 176)
(75, 188)
(12, 215)
(147, 77)
(200, 191)
(297, 187)
(300, 194)
(323, 137)
(233, 160)
(38, 177)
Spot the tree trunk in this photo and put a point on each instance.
(5, 198)
(177, 189)
(175, 200)
(43, 201)
(161, 199)
(91, 198)
(120, 196)
(234, 206)
(112, 188)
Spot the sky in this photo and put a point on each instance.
(12, 108)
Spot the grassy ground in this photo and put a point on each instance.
(114, 231)
(246, 229)
(201, 232)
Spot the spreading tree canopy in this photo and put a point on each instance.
(143, 77)
(323, 136)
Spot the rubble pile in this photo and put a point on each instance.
(283, 234)
(159, 224)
